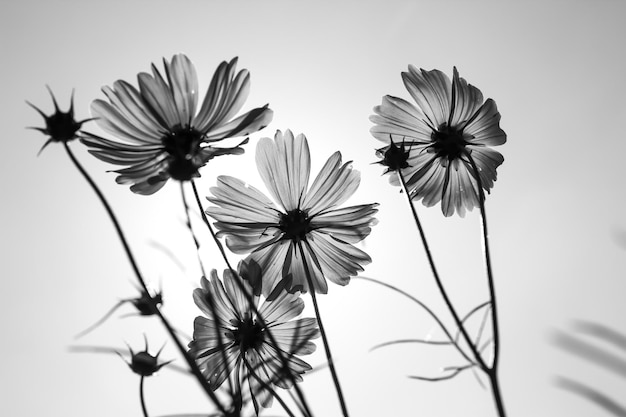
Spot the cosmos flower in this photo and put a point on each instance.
(60, 126)
(432, 143)
(307, 218)
(160, 135)
(246, 350)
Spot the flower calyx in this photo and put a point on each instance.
(60, 126)
(394, 157)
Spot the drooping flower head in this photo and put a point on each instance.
(159, 134)
(60, 126)
(246, 350)
(450, 125)
(306, 217)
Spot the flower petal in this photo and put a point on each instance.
(293, 336)
(235, 291)
(432, 90)
(183, 82)
(467, 100)
(485, 126)
(129, 102)
(349, 224)
(250, 122)
(400, 120)
(156, 93)
(213, 292)
(487, 160)
(115, 123)
(225, 96)
(334, 184)
(282, 308)
(338, 260)
(284, 166)
(459, 192)
(271, 259)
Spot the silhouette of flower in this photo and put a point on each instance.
(160, 136)
(246, 350)
(308, 219)
(143, 363)
(450, 125)
(60, 126)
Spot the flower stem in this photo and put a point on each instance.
(268, 387)
(442, 290)
(141, 398)
(329, 356)
(493, 371)
(218, 333)
(250, 301)
(188, 224)
(192, 364)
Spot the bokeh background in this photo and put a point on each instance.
(555, 69)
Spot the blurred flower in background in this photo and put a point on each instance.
(450, 125)
(160, 135)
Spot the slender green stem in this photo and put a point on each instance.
(250, 301)
(141, 398)
(192, 364)
(493, 371)
(442, 290)
(329, 355)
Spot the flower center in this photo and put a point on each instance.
(295, 225)
(248, 334)
(183, 147)
(448, 142)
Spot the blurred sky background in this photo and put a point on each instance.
(556, 71)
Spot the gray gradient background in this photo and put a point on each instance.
(556, 70)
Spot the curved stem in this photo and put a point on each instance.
(442, 290)
(453, 340)
(493, 371)
(249, 299)
(192, 364)
(141, 398)
(329, 355)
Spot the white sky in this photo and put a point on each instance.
(555, 69)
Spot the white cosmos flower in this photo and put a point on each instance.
(306, 217)
(246, 350)
(450, 124)
(160, 135)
